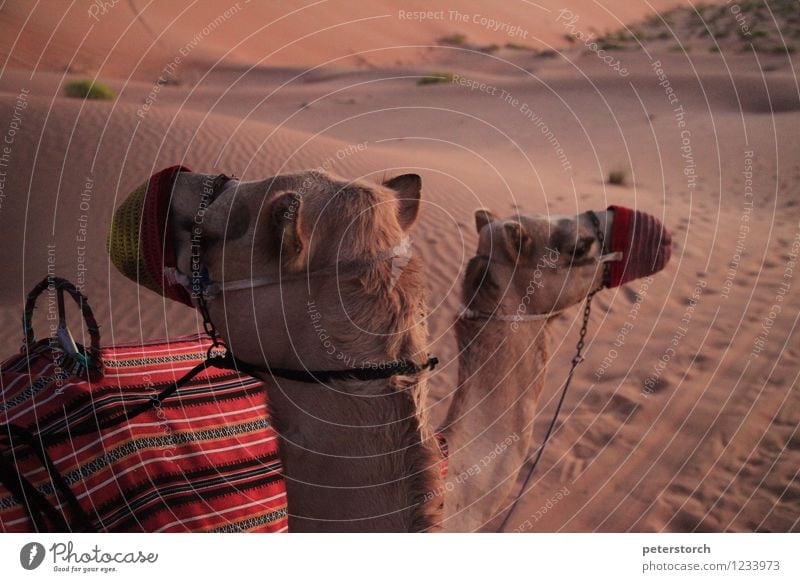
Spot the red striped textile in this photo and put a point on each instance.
(206, 460)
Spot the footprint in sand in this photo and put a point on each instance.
(657, 385)
(623, 407)
(701, 362)
(615, 405)
(630, 294)
(571, 469)
(584, 449)
(602, 304)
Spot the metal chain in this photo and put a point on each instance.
(224, 357)
(210, 329)
(208, 325)
(587, 312)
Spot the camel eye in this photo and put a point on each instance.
(582, 248)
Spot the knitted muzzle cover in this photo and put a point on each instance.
(138, 241)
(645, 243)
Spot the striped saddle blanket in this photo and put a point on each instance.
(204, 459)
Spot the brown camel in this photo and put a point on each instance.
(527, 270)
(358, 455)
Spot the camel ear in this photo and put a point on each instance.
(483, 217)
(518, 241)
(408, 190)
(285, 224)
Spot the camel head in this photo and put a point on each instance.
(322, 266)
(537, 264)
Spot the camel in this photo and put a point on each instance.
(358, 455)
(526, 271)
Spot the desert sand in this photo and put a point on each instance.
(684, 415)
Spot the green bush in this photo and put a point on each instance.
(434, 78)
(88, 89)
(455, 39)
(617, 177)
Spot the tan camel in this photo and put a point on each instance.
(527, 270)
(358, 455)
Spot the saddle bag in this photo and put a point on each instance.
(88, 444)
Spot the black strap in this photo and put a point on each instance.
(38, 508)
(22, 435)
(363, 374)
(90, 426)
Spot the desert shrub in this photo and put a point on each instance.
(455, 39)
(88, 89)
(435, 78)
(617, 177)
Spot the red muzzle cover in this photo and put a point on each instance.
(645, 243)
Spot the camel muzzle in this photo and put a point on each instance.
(645, 244)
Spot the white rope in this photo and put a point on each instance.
(472, 314)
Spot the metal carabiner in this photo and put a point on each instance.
(62, 333)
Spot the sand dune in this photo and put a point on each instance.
(136, 38)
(706, 442)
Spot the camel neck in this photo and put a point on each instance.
(356, 457)
(489, 424)
(494, 350)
